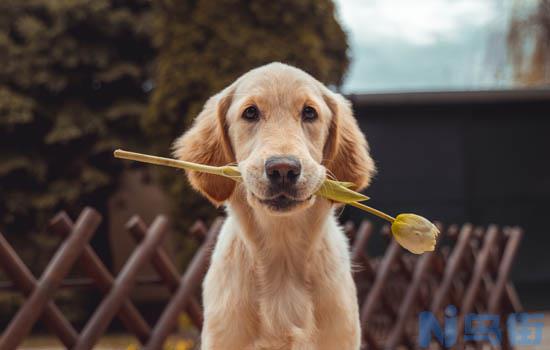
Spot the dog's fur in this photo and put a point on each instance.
(279, 279)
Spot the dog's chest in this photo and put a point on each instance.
(288, 295)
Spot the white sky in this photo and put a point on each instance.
(423, 44)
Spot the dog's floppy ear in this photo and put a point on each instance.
(346, 151)
(207, 142)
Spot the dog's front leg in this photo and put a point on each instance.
(230, 321)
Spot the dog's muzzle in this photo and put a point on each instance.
(283, 173)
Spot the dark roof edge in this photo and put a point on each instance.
(450, 97)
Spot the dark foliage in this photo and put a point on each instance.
(71, 89)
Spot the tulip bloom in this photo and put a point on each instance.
(412, 232)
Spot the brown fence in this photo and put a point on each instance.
(471, 272)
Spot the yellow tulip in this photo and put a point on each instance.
(413, 232)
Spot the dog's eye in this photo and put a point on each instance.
(309, 114)
(251, 113)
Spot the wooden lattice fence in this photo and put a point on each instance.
(471, 272)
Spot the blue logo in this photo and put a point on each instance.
(523, 328)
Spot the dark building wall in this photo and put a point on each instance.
(467, 157)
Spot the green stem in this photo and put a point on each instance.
(373, 211)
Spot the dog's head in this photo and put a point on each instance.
(285, 130)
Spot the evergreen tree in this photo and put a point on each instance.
(73, 84)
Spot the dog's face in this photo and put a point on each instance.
(286, 132)
(278, 123)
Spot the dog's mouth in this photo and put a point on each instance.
(285, 198)
(283, 202)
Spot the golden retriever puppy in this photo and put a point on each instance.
(280, 276)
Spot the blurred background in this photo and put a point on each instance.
(453, 95)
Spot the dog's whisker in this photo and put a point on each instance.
(330, 175)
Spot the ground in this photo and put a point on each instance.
(126, 342)
(110, 342)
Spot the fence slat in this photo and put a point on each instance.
(61, 224)
(504, 269)
(392, 254)
(26, 283)
(453, 265)
(358, 249)
(189, 281)
(409, 300)
(59, 266)
(165, 268)
(480, 268)
(110, 305)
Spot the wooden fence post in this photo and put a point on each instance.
(56, 270)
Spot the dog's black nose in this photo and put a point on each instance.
(283, 169)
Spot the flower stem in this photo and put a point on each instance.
(167, 162)
(373, 211)
(226, 171)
